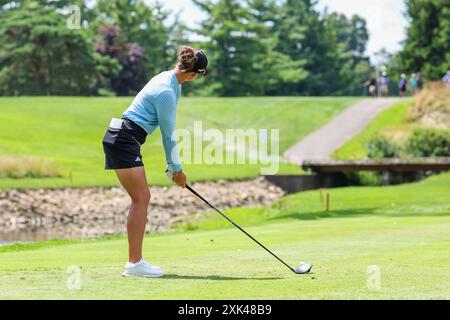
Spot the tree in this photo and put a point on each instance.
(141, 24)
(350, 37)
(242, 49)
(39, 55)
(233, 48)
(29, 4)
(427, 47)
(303, 36)
(128, 75)
(283, 72)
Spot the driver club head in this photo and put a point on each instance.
(304, 268)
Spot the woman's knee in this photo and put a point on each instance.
(141, 197)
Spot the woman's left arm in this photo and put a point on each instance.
(166, 110)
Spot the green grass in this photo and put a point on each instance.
(402, 230)
(391, 122)
(69, 131)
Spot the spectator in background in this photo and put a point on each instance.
(372, 86)
(402, 85)
(419, 81)
(446, 79)
(384, 84)
(413, 84)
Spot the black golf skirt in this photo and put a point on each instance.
(122, 146)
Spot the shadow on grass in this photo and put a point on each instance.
(417, 214)
(346, 213)
(214, 277)
(323, 214)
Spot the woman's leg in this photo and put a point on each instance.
(135, 183)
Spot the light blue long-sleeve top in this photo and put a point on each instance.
(156, 105)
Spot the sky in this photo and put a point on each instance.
(385, 18)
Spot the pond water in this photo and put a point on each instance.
(30, 236)
(7, 243)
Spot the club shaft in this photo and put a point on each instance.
(237, 226)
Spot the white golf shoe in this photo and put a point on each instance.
(142, 269)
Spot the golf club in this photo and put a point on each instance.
(302, 268)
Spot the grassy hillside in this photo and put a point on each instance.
(428, 109)
(69, 131)
(397, 234)
(391, 122)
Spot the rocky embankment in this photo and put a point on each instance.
(82, 212)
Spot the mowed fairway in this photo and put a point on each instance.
(376, 243)
(69, 130)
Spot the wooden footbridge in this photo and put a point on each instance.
(333, 173)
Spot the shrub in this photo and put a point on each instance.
(381, 147)
(431, 106)
(364, 178)
(27, 167)
(428, 143)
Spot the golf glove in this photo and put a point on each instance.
(180, 178)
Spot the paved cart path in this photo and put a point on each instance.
(321, 143)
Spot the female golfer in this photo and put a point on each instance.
(155, 105)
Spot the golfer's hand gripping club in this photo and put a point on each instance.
(178, 177)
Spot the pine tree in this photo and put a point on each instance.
(427, 47)
(39, 55)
